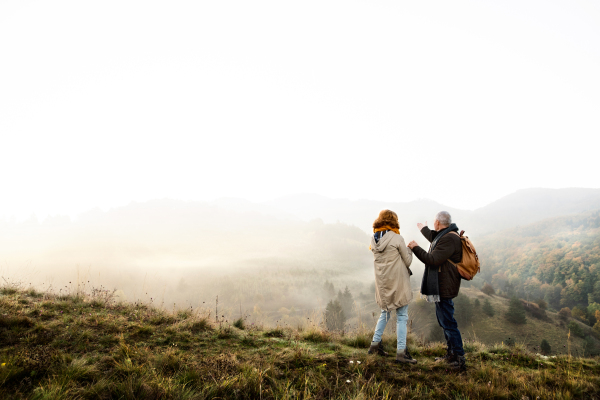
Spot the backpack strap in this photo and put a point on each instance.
(461, 233)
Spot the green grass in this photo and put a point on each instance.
(78, 348)
(497, 329)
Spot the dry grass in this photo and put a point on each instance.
(78, 347)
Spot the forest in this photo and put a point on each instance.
(556, 261)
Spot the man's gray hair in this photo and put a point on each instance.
(444, 218)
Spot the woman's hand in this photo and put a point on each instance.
(412, 244)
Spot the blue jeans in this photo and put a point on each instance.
(402, 317)
(444, 311)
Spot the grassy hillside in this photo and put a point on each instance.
(477, 326)
(64, 347)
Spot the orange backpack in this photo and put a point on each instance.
(469, 265)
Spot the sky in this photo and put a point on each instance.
(107, 102)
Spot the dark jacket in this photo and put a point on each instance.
(449, 247)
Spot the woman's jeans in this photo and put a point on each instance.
(402, 317)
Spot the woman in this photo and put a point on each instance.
(392, 281)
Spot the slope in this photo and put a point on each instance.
(75, 346)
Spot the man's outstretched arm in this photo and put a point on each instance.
(425, 231)
(442, 252)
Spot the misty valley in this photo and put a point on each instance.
(283, 266)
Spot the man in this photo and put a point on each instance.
(441, 280)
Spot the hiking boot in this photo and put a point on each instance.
(377, 348)
(448, 358)
(408, 354)
(403, 357)
(460, 364)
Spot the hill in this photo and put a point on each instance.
(476, 325)
(557, 259)
(520, 208)
(530, 205)
(76, 346)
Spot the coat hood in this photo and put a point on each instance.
(378, 247)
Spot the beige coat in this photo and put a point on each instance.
(392, 280)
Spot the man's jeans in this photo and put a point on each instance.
(402, 317)
(444, 311)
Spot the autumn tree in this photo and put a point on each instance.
(488, 289)
(596, 328)
(564, 313)
(542, 303)
(579, 314)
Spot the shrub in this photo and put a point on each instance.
(535, 311)
(316, 336)
(8, 290)
(360, 340)
(542, 304)
(239, 323)
(487, 308)
(575, 329)
(200, 326)
(515, 313)
(579, 314)
(278, 332)
(564, 313)
(545, 347)
(488, 289)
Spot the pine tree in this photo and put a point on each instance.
(334, 316)
(545, 347)
(487, 308)
(328, 289)
(348, 302)
(516, 312)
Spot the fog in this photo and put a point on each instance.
(272, 263)
(158, 150)
(176, 254)
(104, 103)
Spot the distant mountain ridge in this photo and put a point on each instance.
(519, 208)
(530, 205)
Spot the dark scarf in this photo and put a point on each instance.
(430, 285)
(379, 235)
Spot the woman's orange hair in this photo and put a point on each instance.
(387, 218)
